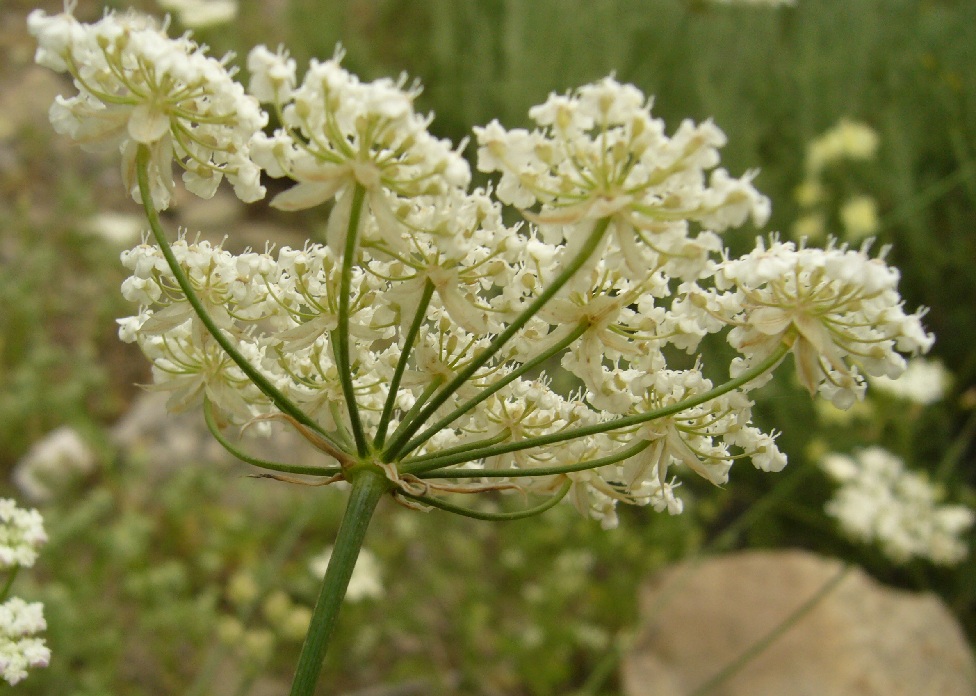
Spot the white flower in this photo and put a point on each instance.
(19, 650)
(613, 319)
(21, 535)
(339, 133)
(365, 582)
(136, 86)
(879, 501)
(923, 382)
(198, 14)
(61, 457)
(426, 335)
(705, 438)
(837, 308)
(599, 154)
(272, 74)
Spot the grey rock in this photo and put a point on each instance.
(168, 440)
(861, 639)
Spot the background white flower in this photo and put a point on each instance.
(923, 382)
(21, 535)
(880, 501)
(19, 649)
(365, 583)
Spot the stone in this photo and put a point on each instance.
(860, 639)
(170, 440)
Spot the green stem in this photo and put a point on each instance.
(424, 397)
(605, 667)
(508, 379)
(9, 583)
(615, 424)
(401, 366)
(397, 448)
(956, 450)
(501, 436)
(280, 400)
(765, 641)
(367, 489)
(208, 415)
(620, 456)
(493, 516)
(928, 196)
(341, 343)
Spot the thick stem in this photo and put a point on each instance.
(397, 447)
(367, 489)
(341, 343)
(280, 400)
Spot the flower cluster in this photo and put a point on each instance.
(21, 535)
(52, 464)
(418, 339)
(19, 649)
(599, 154)
(880, 501)
(838, 308)
(136, 86)
(338, 133)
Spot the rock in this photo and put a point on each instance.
(170, 440)
(167, 440)
(861, 639)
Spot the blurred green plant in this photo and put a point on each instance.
(59, 300)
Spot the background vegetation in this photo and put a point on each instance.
(167, 577)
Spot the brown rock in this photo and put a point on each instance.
(861, 639)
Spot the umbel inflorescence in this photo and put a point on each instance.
(413, 340)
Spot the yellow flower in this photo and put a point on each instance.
(860, 217)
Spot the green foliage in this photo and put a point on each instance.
(59, 299)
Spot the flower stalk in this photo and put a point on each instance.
(397, 448)
(421, 465)
(341, 343)
(368, 486)
(143, 159)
